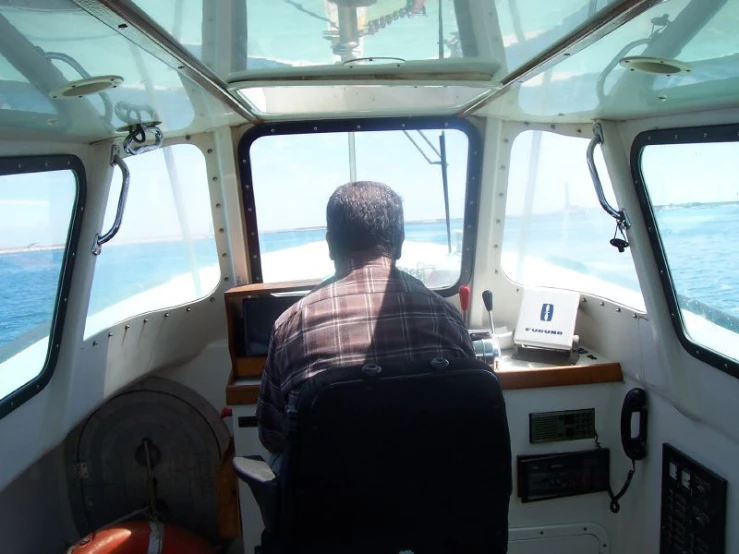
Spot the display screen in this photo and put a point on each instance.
(260, 315)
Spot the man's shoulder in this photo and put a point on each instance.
(416, 286)
(319, 293)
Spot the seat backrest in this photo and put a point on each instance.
(396, 458)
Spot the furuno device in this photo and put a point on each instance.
(545, 330)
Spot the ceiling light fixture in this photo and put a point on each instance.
(655, 66)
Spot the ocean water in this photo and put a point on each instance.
(698, 239)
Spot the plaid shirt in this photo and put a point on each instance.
(370, 311)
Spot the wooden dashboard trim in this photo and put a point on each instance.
(560, 376)
(243, 384)
(510, 379)
(270, 288)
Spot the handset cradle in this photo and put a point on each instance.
(635, 402)
(634, 447)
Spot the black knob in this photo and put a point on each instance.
(487, 298)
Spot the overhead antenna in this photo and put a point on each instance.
(442, 162)
(441, 31)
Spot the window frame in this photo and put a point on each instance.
(688, 135)
(19, 165)
(472, 186)
(205, 147)
(512, 131)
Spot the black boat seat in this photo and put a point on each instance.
(388, 459)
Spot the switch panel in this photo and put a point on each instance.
(562, 426)
(693, 519)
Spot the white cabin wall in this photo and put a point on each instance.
(699, 390)
(499, 139)
(605, 398)
(32, 429)
(639, 520)
(34, 509)
(86, 375)
(692, 405)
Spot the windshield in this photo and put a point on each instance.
(294, 175)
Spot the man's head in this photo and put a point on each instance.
(364, 217)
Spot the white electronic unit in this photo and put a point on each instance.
(547, 319)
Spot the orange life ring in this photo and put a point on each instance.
(141, 537)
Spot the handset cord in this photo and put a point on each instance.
(615, 506)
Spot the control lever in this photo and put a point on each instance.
(487, 299)
(464, 302)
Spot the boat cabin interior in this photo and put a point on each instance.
(568, 185)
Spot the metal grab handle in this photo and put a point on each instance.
(140, 130)
(619, 215)
(100, 240)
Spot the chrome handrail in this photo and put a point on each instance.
(619, 215)
(97, 244)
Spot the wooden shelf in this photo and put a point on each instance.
(512, 375)
(270, 288)
(248, 366)
(559, 376)
(243, 384)
(251, 366)
(241, 391)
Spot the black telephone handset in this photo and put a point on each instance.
(635, 402)
(634, 447)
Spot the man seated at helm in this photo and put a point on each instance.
(368, 312)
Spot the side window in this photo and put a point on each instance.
(290, 177)
(37, 228)
(165, 252)
(692, 201)
(556, 233)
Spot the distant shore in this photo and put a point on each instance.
(114, 243)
